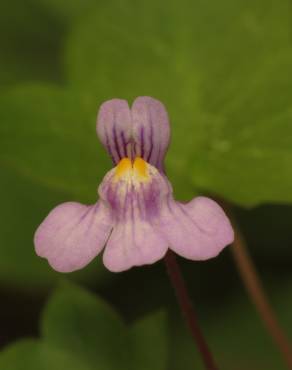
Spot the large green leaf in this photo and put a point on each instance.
(48, 135)
(148, 344)
(36, 355)
(81, 331)
(223, 71)
(30, 40)
(68, 12)
(81, 323)
(78, 322)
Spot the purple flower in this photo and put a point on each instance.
(136, 218)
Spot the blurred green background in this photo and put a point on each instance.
(223, 70)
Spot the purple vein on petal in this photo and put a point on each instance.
(170, 203)
(76, 223)
(114, 132)
(82, 218)
(124, 144)
(141, 209)
(142, 142)
(94, 210)
(151, 142)
(183, 211)
(108, 147)
(127, 201)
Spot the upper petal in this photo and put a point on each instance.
(72, 235)
(151, 130)
(114, 128)
(198, 230)
(142, 131)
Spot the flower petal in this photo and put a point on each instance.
(133, 244)
(72, 235)
(134, 194)
(151, 130)
(114, 128)
(142, 131)
(198, 230)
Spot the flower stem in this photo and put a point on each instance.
(187, 309)
(253, 285)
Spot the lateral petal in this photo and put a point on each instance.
(72, 235)
(198, 230)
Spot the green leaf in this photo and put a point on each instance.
(223, 71)
(78, 322)
(48, 135)
(21, 210)
(30, 40)
(68, 12)
(81, 329)
(147, 340)
(241, 166)
(36, 355)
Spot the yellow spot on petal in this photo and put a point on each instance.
(133, 172)
(140, 166)
(123, 167)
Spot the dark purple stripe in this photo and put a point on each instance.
(134, 149)
(157, 162)
(132, 191)
(124, 144)
(169, 204)
(90, 223)
(140, 206)
(109, 148)
(116, 141)
(151, 143)
(142, 142)
(81, 218)
(111, 196)
(125, 205)
(133, 223)
(151, 199)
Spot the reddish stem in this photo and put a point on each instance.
(254, 287)
(187, 309)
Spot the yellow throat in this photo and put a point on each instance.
(138, 169)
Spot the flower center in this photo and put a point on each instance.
(137, 169)
(134, 189)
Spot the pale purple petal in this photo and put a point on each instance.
(72, 235)
(151, 130)
(114, 128)
(133, 244)
(198, 230)
(142, 131)
(135, 203)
